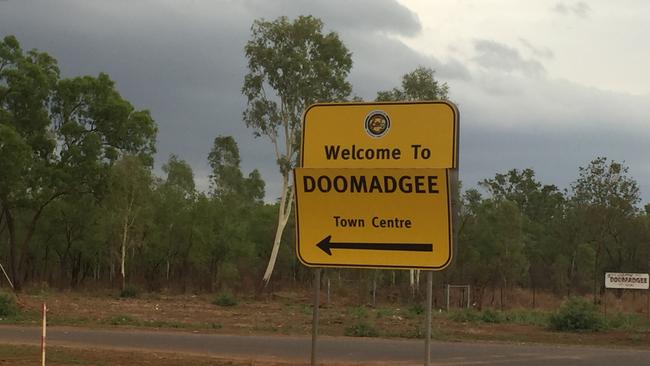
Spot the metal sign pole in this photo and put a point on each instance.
(605, 302)
(447, 294)
(427, 340)
(314, 324)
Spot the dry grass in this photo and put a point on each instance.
(290, 313)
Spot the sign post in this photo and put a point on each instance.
(315, 314)
(629, 281)
(376, 188)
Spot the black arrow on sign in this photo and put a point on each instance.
(326, 245)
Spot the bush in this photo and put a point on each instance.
(492, 316)
(8, 306)
(465, 316)
(361, 329)
(623, 321)
(130, 291)
(225, 298)
(527, 317)
(359, 312)
(416, 309)
(576, 314)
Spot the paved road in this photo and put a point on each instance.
(331, 350)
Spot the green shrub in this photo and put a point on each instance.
(416, 309)
(225, 298)
(492, 316)
(361, 329)
(8, 306)
(359, 312)
(623, 321)
(465, 316)
(576, 314)
(130, 291)
(527, 317)
(384, 313)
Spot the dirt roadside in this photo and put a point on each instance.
(290, 313)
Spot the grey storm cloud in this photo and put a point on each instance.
(579, 9)
(540, 52)
(552, 126)
(184, 61)
(385, 16)
(494, 55)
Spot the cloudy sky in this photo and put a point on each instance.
(547, 85)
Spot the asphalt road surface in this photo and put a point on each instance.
(330, 350)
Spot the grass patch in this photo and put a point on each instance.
(67, 320)
(130, 321)
(622, 321)
(492, 316)
(528, 317)
(130, 292)
(25, 355)
(123, 319)
(416, 309)
(358, 312)
(8, 306)
(18, 355)
(21, 317)
(384, 313)
(465, 316)
(225, 298)
(361, 329)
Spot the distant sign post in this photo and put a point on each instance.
(632, 281)
(628, 281)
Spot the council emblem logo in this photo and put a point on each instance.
(377, 123)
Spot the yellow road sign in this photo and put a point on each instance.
(381, 218)
(380, 135)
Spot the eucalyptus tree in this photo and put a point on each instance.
(129, 193)
(235, 199)
(542, 207)
(170, 243)
(417, 85)
(58, 137)
(291, 64)
(605, 199)
(491, 251)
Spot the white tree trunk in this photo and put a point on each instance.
(125, 231)
(414, 280)
(286, 203)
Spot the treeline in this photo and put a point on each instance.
(80, 205)
(523, 233)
